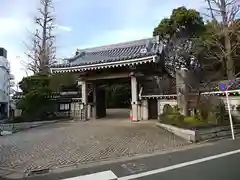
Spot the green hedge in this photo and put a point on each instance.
(203, 119)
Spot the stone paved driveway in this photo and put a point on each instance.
(82, 142)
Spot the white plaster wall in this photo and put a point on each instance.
(144, 109)
(233, 100)
(75, 109)
(162, 102)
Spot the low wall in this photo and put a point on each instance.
(199, 135)
(210, 133)
(189, 135)
(14, 127)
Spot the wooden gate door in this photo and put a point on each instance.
(100, 102)
(152, 109)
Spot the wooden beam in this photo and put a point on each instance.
(107, 76)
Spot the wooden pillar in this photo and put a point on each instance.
(145, 109)
(134, 98)
(94, 110)
(89, 111)
(84, 107)
(159, 107)
(84, 92)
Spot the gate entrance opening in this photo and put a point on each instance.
(112, 98)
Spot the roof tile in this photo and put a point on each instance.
(114, 52)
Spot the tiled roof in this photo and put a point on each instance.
(112, 53)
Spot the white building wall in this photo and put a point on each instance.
(234, 102)
(162, 102)
(4, 80)
(4, 86)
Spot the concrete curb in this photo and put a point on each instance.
(198, 135)
(186, 134)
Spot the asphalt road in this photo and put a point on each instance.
(214, 161)
(226, 168)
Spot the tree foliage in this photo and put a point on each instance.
(30, 83)
(202, 47)
(118, 96)
(190, 41)
(180, 34)
(61, 79)
(36, 103)
(181, 18)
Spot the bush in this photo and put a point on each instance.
(176, 109)
(175, 117)
(167, 109)
(204, 109)
(208, 115)
(192, 120)
(118, 96)
(18, 119)
(36, 104)
(220, 112)
(171, 116)
(211, 110)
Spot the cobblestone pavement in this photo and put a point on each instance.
(82, 142)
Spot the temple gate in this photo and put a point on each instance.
(136, 62)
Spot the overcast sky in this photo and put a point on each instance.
(83, 23)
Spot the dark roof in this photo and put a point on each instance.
(114, 52)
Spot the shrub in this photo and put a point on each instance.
(36, 103)
(204, 109)
(173, 117)
(212, 118)
(176, 109)
(191, 120)
(18, 119)
(220, 112)
(167, 109)
(179, 117)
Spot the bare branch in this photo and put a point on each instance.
(225, 34)
(41, 49)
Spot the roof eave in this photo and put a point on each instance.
(105, 65)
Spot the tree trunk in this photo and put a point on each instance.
(227, 41)
(229, 60)
(182, 91)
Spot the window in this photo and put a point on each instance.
(64, 107)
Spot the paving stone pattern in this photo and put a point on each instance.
(67, 143)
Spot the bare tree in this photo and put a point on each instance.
(224, 14)
(41, 50)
